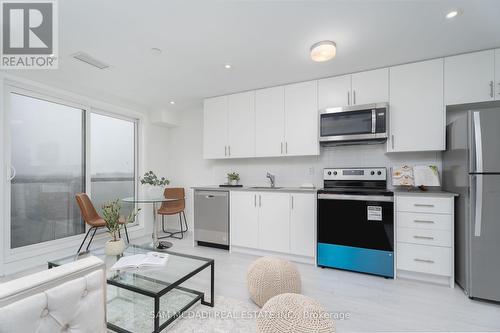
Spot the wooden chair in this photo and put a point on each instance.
(173, 208)
(92, 218)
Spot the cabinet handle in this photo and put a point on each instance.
(281, 148)
(348, 99)
(423, 237)
(423, 221)
(423, 205)
(292, 201)
(424, 260)
(255, 200)
(392, 141)
(260, 201)
(491, 89)
(354, 97)
(229, 150)
(499, 88)
(225, 150)
(286, 147)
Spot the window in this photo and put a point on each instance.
(50, 164)
(113, 168)
(47, 160)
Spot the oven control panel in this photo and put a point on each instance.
(355, 174)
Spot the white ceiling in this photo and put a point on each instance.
(267, 42)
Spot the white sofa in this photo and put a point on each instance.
(69, 298)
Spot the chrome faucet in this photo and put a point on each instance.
(271, 178)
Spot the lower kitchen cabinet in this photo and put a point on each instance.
(274, 221)
(274, 224)
(244, 219)
(302, 224)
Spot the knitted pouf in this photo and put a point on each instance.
(268, 277)
(293, 313)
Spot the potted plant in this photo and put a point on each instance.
(111, 215)
(233, 178)
(155, 185)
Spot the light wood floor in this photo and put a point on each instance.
(373, 303)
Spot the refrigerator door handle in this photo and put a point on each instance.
(478, 213)
(478, 142)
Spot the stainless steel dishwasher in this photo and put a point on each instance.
(211, 218)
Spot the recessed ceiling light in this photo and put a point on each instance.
(323, 51)
(172, 102)
(453, 13)
(156, 50)
(228, 66)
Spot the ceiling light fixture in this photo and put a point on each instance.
(156, 50)
(228, 66)
(453, 13)
(323, 51)
(172, 102)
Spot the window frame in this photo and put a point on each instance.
(33, 254)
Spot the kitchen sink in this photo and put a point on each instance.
(265, 187)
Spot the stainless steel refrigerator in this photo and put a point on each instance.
(471, 168)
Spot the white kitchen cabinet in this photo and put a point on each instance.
(469, 78)
(244, 219)
(269, 121)
(215, 127)
(274, 221)
(302, 224)
(334, 91)
(301, 119)
(425, 237)
(497, 74)
(241, 125)
(417, 112)
(370, 87)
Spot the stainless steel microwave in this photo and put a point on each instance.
(354, 124)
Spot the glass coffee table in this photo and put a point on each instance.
(150, 300)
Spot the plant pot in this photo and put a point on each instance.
(154, 191)
(233, 182)
(114, 248)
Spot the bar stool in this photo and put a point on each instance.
(173, 208)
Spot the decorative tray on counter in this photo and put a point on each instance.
(227, 185)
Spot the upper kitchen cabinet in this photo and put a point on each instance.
(354, 89)
(497, 74)
(417, 112)
(469, 78)
(241, 124)
(334, 91)
(215, 127)
(269, 121)
(370, 87)
(229, 126)
(301, 119)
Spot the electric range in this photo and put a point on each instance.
(356, 221)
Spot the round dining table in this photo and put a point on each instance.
(153, 201)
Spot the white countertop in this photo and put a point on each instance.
(256, 189)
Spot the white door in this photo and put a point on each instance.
(370, 87)
(215, 127)
(241, 124)
(469, 78)
(497, 74)
(334, 91)
(301, 119)
(274, 221)
(417, 112)
(269, 121)
(302, 224)
(244, 226)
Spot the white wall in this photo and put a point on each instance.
(187, 168)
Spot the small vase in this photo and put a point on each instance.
(114, 248)
(233, 182)
(154, 191)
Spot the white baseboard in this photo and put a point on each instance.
(263, 253)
